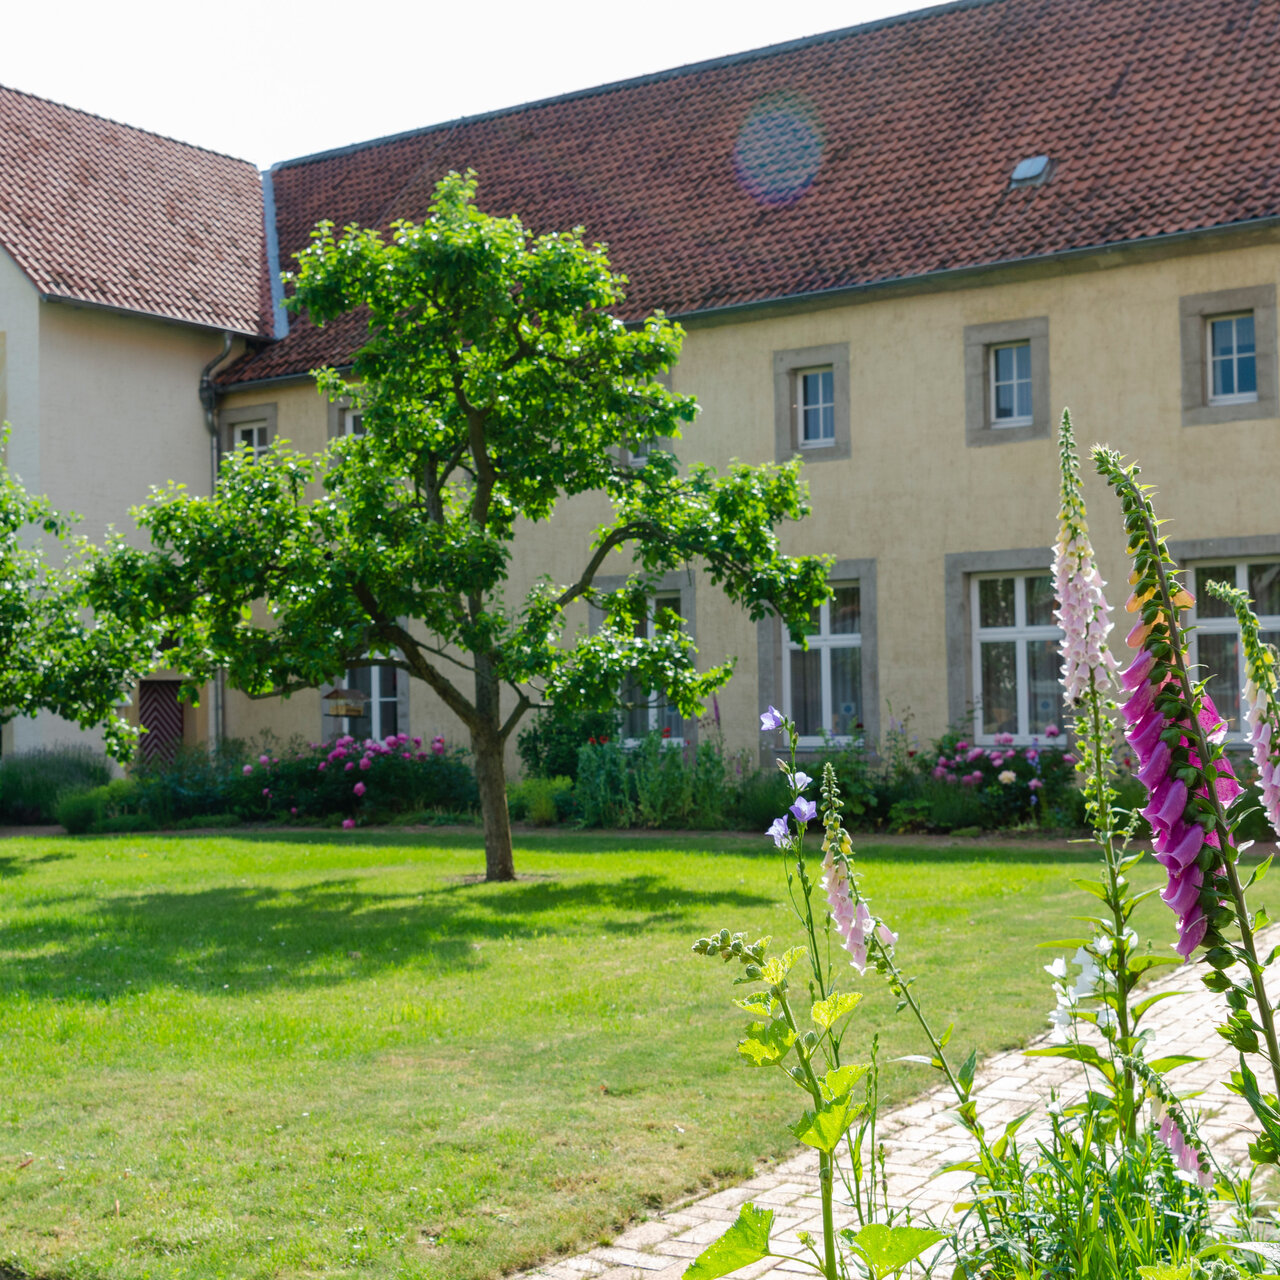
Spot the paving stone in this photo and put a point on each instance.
(646, 1234)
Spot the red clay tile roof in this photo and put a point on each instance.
(99, 212)
(864, 156)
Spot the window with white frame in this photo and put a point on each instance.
(1015, 656)
(1215, 638)
(351, 423)
(252, 436)
(822, 685)
(381, 687)
(1233, 359)
(816, 406)
(1010, 381)
(648, 710)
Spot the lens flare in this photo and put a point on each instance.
(779, 150)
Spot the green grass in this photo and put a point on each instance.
(343, 1056)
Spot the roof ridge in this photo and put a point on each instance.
(122, 124)
(652, 77)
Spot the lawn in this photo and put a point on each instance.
(341, 1055)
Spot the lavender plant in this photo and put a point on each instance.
(1194, 805)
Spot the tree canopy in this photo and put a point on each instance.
(494, 383)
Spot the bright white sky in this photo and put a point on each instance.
(268, 81)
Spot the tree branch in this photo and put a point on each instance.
(623, 533)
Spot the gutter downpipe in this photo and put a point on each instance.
(209, 403)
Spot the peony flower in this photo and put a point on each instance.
(1035, 784)
(358, 788)
(771, 720)
(348, 823)
(247, 770)
(366, 762)
(1008, 776)
(1051, 731)
(321, 767)
(264, 759)
(780, 831)
(437, 745)
(346, 768)
(266, 791)
(293, 813)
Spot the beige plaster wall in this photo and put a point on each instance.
(913, 491)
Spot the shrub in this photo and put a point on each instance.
(762, 794)
(196, 783)
(32, 782)
(540, 800)
(114, 807)
(201, 821)
(604, 785)
(549, 744)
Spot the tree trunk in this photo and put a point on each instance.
(491, 777)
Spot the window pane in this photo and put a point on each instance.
(1222, 334)
(1004, 400)
(812, 424)
(388, 703)
(846, 611)
(670, 723)
(635, 720)
(1246, 376)
(1219, 666)
(1041, 602)
(806, 691)
(361, 727)
(995, 602)
(1004, 364)
(1044, 703)
(828, 422)
(846, 691)
(999, 692)
(1022, 362)
(828, 382)
(1244, 334)
(1224, 378)
(1208, 606)
(1264, 587)
(1024, 400)
(663, 605)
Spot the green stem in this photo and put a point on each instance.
(1247, 941)
(1120, 966)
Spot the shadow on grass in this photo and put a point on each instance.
(18, 866)
(258, 937)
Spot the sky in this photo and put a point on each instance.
(268, 81)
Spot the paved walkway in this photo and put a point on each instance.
(922, 1136)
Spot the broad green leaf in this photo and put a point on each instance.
(1085, 1053)
(1260, 870)
(1095, 887)
(1169, 1062)
(968, 1069)
(745, 1242)
(1265, 1249)
(824, 1129)
(767, 1042)
(1163, 1271)
(759, 1003)
(841, 1079)
(1064, 944)
(826, 1013)
(1140, 964)
(889, 1249)
(776, 968)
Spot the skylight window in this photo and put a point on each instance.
(1030, 172)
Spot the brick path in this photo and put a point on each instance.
(921, 1136)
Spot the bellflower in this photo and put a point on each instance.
(801, 780)
(771, 720)
(804, 810)
(779, 830)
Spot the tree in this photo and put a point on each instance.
(494, 383)
(55, 655)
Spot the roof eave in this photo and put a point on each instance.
(215, 326)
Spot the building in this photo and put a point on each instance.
(899, 250)
(129, 264)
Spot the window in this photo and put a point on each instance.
(811, 399)
(381, 686)
(822, 685)
(1010, 378)
(1229, 356)
(1215, 639)
(816, 405)
(1006, 381)
(253, 436)
(651, 714)
(1015, 656)
(1233, 359)
(351, 423)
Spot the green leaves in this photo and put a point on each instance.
(886, 1250)
(1166, 1271)
(826, 1013)
(841, 1079)
(745, 1242)
(825, 1128)
(767, 1043)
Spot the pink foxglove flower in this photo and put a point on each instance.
(1082, 612)
(1184, 1153)
(853, 921)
